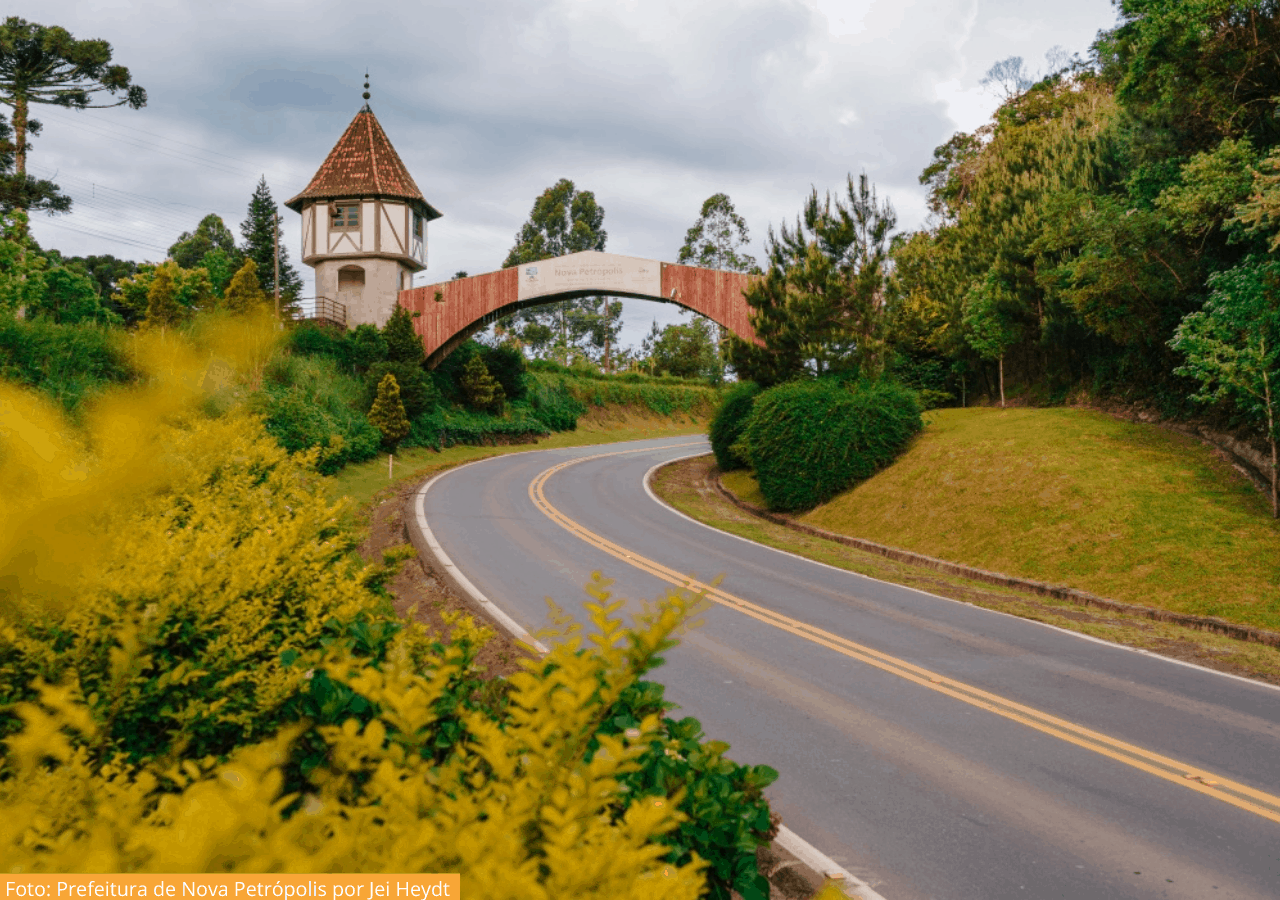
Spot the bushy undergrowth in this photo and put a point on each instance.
(308, 403)
(727, 426)
(548, 366)
(810, 440)
(665, 399)
(199, 675)
(69, 363)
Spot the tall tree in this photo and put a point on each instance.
(261, 238)
(163, 307)
(211, 234)
(387, 413)
(25, 191)
(40, 64)
(245, 292)
(716, 239)
(563, 220)
(684, 349)
(820, 306)
(403, 343)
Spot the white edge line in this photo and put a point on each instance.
(824, 865)
(797, 846)
(512, 627)
(1087, 637)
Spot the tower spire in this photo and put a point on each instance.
(366, 89)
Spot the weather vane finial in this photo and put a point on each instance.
(366, 89)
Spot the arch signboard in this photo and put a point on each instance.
(452, 311)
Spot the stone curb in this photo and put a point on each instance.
(1058, 592)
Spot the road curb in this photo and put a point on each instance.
(821, 866)
(1057, 591)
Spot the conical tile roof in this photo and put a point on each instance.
(363, 164)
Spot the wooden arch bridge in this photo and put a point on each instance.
(452, 311)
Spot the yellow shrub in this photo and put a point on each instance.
(519, 809)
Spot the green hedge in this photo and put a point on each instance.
(810, 440)
(688, 397)
(729, 422)
(69, 363)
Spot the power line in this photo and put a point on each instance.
(107, 237)
(106, 130)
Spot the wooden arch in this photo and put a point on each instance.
(452, 311)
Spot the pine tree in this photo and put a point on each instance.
(481, 389)
(244, 292)
(403, 343)
(163, 307)
(258, 233)
(387, 413)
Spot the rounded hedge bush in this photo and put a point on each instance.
(810, 440)
(729, 422)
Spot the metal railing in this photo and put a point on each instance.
(323, 310)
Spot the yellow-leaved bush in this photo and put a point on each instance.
(521, 808)
(198, 674)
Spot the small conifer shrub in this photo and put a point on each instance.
(387, 413)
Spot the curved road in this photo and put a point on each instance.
(934, 749)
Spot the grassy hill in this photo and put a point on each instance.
(1125, 510)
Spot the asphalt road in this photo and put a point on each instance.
(935, 749)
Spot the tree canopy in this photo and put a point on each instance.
(45, 64)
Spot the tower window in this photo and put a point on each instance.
(350, 277)
(417, 225)
(344, 215)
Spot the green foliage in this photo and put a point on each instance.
(449, 427)
(818, 307)
(45, 64)
(387, 413)
(366, 346)
(260, 233)
(716, 239)
(403, 343)
(563, 220)
(685, 350)
(553, 404)
(163, 308)
(729, 423)
(70, 363)
(418, 393)
(70, 297)
(244, 293)
(481, 390)
(192, 291)
(308, 403)
(22, 268)
(1232, 348)
(663, 396)
(810, 440)
(508, 366)
(191, 248)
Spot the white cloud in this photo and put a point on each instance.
(653, 106)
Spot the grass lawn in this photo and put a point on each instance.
(1074, 497)
(605, 425)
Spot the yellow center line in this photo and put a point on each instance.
(1239, 795)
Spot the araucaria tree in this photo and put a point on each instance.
(40, 64)
(820, 306)
(260, 242)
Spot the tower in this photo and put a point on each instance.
(364, 222)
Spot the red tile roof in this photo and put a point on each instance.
(363, 164)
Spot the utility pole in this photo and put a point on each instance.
(275, 246)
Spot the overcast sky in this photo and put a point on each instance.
(651, 105)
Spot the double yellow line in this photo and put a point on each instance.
(1239, 795)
